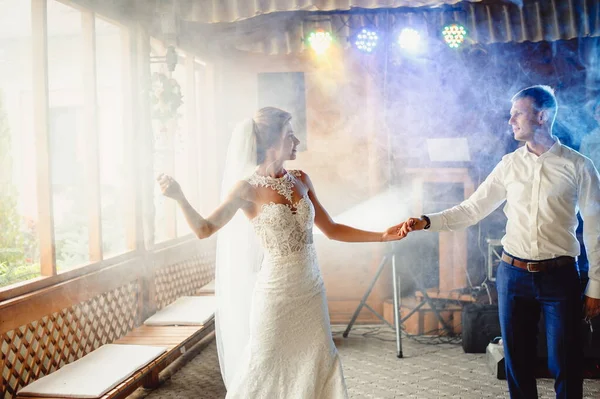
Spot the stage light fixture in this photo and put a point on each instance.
(320, 40)
(409, 39)
(454, 35)
(366, 40)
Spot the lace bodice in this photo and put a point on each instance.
(290, 353)
(283, 229)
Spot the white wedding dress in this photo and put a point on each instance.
(291, 353)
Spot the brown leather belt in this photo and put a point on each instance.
(539, 266)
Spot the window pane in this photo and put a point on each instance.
(19, 245)
(67, 138)
(166, 103)
(204, 148)
(209, 190)
(180, 147)
(111, 136)
(161, 147)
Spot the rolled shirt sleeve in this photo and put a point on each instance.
(488, 196)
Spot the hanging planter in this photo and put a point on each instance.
(165, 98)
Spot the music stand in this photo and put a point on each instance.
(396, 286)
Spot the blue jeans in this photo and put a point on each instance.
(522, 296)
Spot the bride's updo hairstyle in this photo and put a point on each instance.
(268, 127)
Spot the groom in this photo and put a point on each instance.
(544, 184)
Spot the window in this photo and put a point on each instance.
(19, 244)
(67, 135)
(74, 196)
(174, 125)
(111, 134)
(181, 132)
(208, 154)
(80, 194)
(164, 209)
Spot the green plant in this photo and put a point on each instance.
(16, 248)
(14, 272)
(166, 98)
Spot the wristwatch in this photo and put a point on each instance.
(427, 220)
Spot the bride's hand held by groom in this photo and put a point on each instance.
(394, 233)
(413, 224)
(401, 230)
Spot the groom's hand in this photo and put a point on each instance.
(591, 307)
(412, 224)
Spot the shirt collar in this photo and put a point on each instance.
(556, 149)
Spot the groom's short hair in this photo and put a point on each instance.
(543, 99)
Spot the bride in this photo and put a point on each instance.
(272, 323)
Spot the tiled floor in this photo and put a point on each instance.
(372, 370)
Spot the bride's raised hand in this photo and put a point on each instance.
(169, 187)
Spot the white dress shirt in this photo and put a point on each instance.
(543, 195)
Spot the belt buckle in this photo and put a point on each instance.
(532, 270)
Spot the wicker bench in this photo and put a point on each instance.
(173, 340)
(207, 290)
(55, 326)
(176, 339)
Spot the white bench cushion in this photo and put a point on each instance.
(185, 311)
(208, 289)
(94, 374)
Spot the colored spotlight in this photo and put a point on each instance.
(366, 40)
(320, 40)
(454, 35)
(409, 39)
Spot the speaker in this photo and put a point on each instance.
(480, 325)
(494, 355)
(591, 353)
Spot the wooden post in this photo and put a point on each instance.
(151, 380)
(169, 206)
(191, 128)
(92, 159)
(210, 149)
(134, 226)
(143, 147)
(45, 226)
(143, 142)
(201, 128)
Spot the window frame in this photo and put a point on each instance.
(136, 67)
